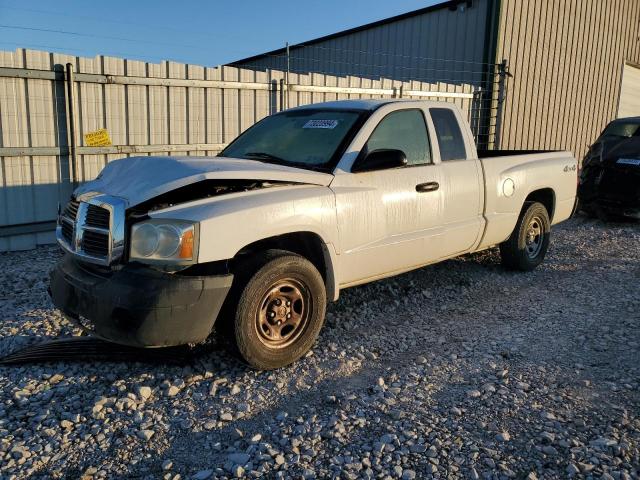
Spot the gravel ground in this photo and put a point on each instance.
(459, 370)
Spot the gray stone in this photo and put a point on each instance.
(572, 470)
(602, 442)
(408, 475)
(203, 475)
(547, 437)
(238, 458)
(145, 434)
(387, 438)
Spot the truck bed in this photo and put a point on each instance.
(508, 153)
(510, 177)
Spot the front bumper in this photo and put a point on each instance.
(618, 208)
(138, 305)
(611, 190)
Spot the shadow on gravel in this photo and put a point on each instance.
(89, 349)
(295, 403)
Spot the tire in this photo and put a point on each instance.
(269, 332)
(527, 246)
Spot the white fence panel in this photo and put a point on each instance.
(147, 109)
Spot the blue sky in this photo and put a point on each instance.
(197, 32)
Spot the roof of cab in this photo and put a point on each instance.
(627, 120)
(366, 104)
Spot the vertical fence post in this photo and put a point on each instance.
(71, 127)
(288, 62)
(283, 89)
(475, 114)
(286, 78)
(503, 73)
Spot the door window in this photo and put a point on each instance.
(449, 135)
(403, 130)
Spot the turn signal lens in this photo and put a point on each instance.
(186, 247)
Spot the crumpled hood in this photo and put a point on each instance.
(137, 179)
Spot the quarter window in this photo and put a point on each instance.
(403, 130)
(449, 135)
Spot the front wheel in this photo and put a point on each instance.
(280, 311)
(527, 246)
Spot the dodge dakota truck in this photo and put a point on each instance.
(304, 203)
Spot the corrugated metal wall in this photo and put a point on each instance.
(629, 105)
(442, 45)
(566, 58)
(148, 109)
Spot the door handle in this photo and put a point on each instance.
(427, 187)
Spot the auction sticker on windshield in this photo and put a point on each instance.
(629, 161)
(330, 124)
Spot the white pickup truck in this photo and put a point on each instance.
(304, 203)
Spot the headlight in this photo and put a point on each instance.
(594, 154)
(164, 242)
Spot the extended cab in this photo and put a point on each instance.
(304, 203)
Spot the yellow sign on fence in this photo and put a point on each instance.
(99, 138)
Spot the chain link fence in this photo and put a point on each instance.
(479, 89)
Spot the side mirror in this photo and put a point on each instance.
(382, 159)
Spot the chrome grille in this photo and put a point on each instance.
(68, 219)
(95, 243)
(92, 228)
(97, 217)
(71, 210)
(67, 231)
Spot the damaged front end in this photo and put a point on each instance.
(201, 190)
(138, 305)
(610, 180)
(130, 273)
(126, 277)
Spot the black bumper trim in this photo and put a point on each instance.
(138, 305)
(617, 207)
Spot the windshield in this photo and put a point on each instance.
(621, 129)
(300, 138)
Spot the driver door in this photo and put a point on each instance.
(388, 219)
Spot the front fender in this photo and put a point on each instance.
(229, 223)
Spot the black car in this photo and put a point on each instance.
(609, 182)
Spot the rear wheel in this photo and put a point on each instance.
(527, 246)
(280, 310)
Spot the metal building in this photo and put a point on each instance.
(571, 66)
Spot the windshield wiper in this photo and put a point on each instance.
(265, 157)
(268, 158)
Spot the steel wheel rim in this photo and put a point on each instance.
(283, 313)
(534, 237)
